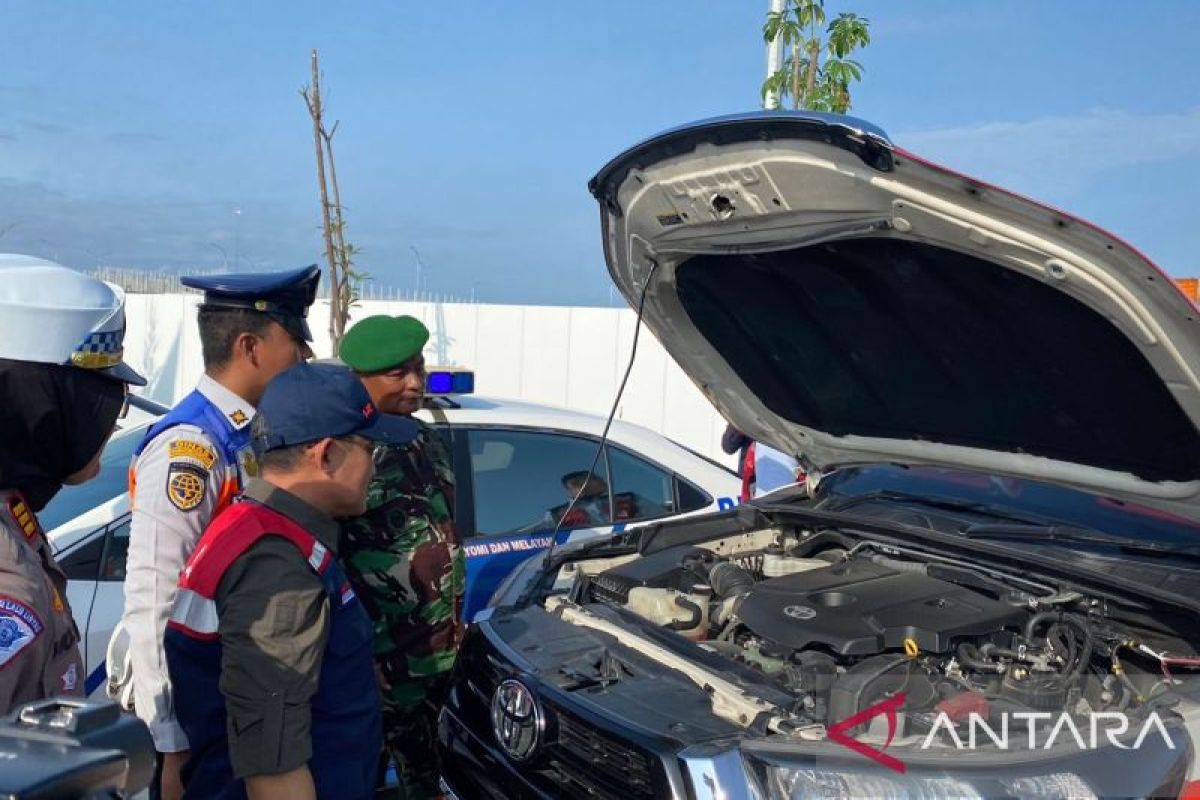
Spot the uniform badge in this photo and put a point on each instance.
(239, 418)
(70, 679)
(190, 450)
(248, 462)
(19, 627)
(186, 485)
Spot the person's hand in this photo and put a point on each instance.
(171, 784)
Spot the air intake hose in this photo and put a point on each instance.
(729, 580)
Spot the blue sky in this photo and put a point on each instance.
(131, 132)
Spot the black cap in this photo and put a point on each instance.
(310, 402)
(282, 296)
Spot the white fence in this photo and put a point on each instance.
(566, 356)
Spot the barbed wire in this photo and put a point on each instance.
(136, 281)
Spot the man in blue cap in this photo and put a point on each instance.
(63, 386)
(191, 465)
(268, 637)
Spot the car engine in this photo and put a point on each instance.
(841, 625)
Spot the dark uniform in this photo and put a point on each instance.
(63, 385)
(405, 559)
(265, 631)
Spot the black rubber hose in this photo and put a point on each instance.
(990, 650)
(729, 580)
(686, 624)
(968, 656)
(1062, 638)
(1037, 619)
(1084, 656)
(818, 541)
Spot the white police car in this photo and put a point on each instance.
(516, 467)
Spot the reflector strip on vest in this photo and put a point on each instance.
(194, 614)
(316, 558)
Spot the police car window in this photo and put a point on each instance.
(640, 490)
(83, 563)
(113, 481)
(690, 497)
(524, 480)
(116, 552)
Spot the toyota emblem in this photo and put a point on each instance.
(517, 720)
(800, 612)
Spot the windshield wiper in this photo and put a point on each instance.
(1072, 535)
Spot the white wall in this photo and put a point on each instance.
(564, 356)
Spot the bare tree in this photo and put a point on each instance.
(339, 254)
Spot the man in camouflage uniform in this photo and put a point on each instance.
(403, 555)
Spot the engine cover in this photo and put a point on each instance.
(859, 608)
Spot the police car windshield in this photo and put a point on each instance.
(112, 481)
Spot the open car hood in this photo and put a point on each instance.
(840, 298)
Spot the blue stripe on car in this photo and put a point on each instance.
(98, 676)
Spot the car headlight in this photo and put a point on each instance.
(808, 783)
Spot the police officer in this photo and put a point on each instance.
(267, 636)
(403, 555)
(193, 462)
(63, 385)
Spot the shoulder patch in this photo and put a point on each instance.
(186, 485)
(24, 518)
(19, 627)
(70, 679)
(193, 451)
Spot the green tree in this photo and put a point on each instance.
(817, 69)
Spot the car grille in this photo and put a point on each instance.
(586, 762)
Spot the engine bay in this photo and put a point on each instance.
(838, 624)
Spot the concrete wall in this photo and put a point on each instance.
(564, 356)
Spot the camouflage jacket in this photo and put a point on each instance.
(404, 559)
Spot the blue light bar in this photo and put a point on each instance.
(449, 381)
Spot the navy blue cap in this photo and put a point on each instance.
(283, 296)
(310, 402)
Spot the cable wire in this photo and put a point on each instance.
(637, 329)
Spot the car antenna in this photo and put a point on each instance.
(637, 328)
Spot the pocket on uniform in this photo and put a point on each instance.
(255, 729)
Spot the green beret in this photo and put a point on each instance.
(381, 342)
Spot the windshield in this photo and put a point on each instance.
(112, 481)
(1007, 498)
